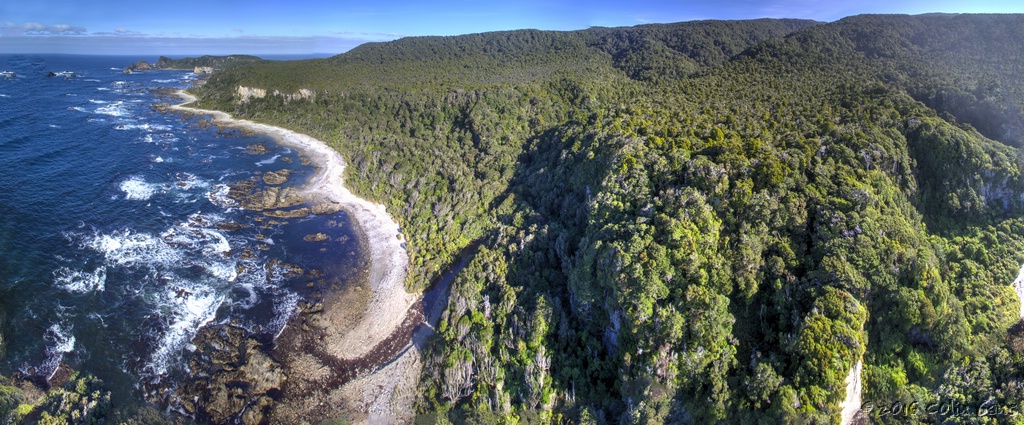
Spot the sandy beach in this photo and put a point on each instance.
(345, 333)
(388, 301)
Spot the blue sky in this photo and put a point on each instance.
(261, 27)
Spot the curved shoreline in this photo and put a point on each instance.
(388, 302)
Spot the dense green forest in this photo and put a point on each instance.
(218, 62)
(697, 222)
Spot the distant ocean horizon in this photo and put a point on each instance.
(119, 240)
(276, 57)
(128, 59)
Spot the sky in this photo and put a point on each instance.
(304, 27)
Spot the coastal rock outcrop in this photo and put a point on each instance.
(326, 208)
(271, 198)
(316, 237)
(276, 177)
(234, 379)
(139, 66)
(256, 149)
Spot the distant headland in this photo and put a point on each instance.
(200, 65)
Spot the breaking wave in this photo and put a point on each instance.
(145, 127)
(137, 189)
(115, 109)
(59, 341)
(219, 195)
(190, 271)
(80, 281)
(268, 161)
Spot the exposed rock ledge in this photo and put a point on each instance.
(852, 404)
(244, 94)
(1018, 287)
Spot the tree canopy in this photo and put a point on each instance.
(698, 222)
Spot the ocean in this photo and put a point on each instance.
(119, 240)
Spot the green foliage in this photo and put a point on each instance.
(691, 222)
(10, 401)
(82, 400)
(218, 62)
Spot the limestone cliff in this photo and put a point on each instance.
(244, 94)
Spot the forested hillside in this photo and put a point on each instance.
(696, 222)
(219, 62)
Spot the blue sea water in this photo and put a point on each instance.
(113, 248)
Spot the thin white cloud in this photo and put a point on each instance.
(120, 31)
(35, 28)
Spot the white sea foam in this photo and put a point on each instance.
(187, 273)
(183, 245)
(123, 126)
(268, 161)
(103, 88)
(99, 102)
(145, 127)
(158, 159)
(165, 81)
(208, 241)
(134, 249)
(80, 281)
(59, 341)
(115, 109)
(4, 95)
(78, 108)
(93, 80)
(284, 307)
(225, 271)
(187, 307)
(53, 126)
(137, 189)
(64, 340)
(218, 195)
(184, 300)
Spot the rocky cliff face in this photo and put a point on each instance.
(138, 66)
(244, 94)
(302, 94)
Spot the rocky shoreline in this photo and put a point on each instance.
(321, 364)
